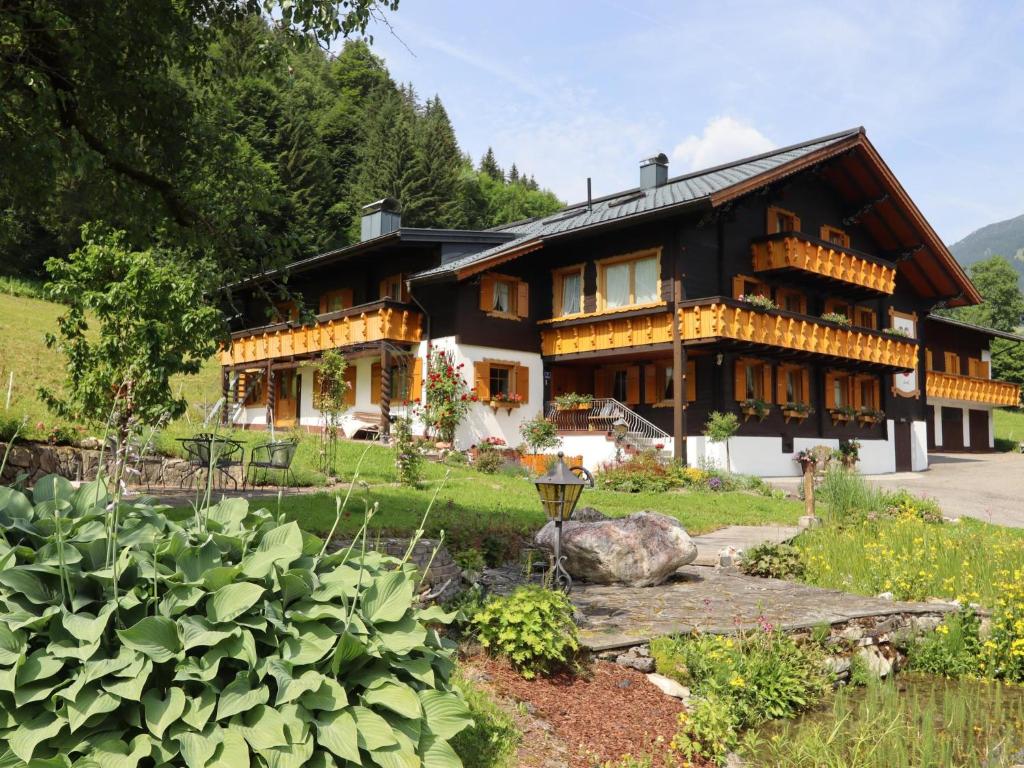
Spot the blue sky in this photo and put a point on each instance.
(575, 89)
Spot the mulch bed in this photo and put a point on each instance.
(605, 712)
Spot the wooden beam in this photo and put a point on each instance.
(679, 366)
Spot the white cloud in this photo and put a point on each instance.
(724, 139)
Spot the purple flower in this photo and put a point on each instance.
(715, 484)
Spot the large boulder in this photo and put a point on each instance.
(641, 550)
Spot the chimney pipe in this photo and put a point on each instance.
(654, 171)
(380, 218)
(590, 201)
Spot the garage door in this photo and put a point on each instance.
(952, 429)
(979, 430)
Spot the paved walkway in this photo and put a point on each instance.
(740, 537)
(987, 486)
(718, 600)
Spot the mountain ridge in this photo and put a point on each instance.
(1001, 238)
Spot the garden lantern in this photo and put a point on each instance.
(560, 490)
(619, 429)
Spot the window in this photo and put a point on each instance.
(791, 300)
(835, 236)
(748, 286)
(621, 382)
(502, 296)
(253, 386)
(838, 390)
(841, 307)
(393, 287)
(568, 291)
(659, 383)
(794, 385)
(630, 281)
(286, 312)
(336, 300)
(501, 380)
(865, 318)
(753, 380)
(868, 390)
(781, 220)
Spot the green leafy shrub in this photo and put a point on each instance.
(532, 628)
(903, 503)
(836, 317)
(9, 428)
(488, 461)
(773, 561)
(408, 456)
(456, 459)
(540, 433)
(641, 473)
(952, 650)
(708, 729)
(216, 637)
(470, 560)
(62, 435)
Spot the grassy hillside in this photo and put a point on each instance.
(26, 364)
(1004, 238)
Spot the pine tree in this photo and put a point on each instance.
(513, 175)
(441, 163)
(489, 165)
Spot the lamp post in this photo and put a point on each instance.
(619, 427)
(559, 491)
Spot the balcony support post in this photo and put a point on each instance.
(271, 397)
(679, 365)
(225, 387)
(385, 393)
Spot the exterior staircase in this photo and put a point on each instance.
(600, 416)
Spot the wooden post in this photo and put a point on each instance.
(271, 397)
(225, 386)
(385, 391)
(808, 467)
(678, 372)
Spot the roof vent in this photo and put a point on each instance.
(654, 171)
(380, 218)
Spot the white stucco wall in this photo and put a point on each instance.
(965, 409)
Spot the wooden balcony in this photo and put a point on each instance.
(950, 386)
(379, 321)
(731, 322)
(824, 261)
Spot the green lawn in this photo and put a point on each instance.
(1009, 428)
(491, 512)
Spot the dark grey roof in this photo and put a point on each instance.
(972, 327)
(676, 193)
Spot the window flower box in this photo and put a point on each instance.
(571, 401)
(868, 416)
(753, 408)
(842, 415)
(508, 402)
(796, 411)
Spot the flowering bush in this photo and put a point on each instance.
(1003, 652)
(540, 433)
(448, 396)
(757, 301)
(836, 317)
(408, 456)
(643, 472)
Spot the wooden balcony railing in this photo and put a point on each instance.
(950, 386)
(719, 318)
(822, 259)
(382, 320)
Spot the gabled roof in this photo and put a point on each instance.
(859, 173)
(961, 325)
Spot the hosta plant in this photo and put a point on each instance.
(217, 638)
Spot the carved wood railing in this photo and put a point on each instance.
(820, 258)
(950, 386)
(379, 321)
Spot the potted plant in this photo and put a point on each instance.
(870, 415)
(506, 401)
(752, 406)
(757, 301)
(539, 434)
(573, 401)
(901, 333)
(798, 411)
(848, 453)
(842, 414)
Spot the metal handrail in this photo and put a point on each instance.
(603, 411)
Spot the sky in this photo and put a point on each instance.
(568, 89)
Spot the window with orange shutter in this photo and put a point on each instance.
(503, 296)
(835, 236)
(659, 383)
(753, 380)
(780, 220)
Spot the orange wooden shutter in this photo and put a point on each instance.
(382, 289)
(346, 298)
(416, 385)
(780, 384)
(691, 380)
(650, 384)
(740, 382)
(952, 363)
(323, 303)
(375, 383)
(350, 379)
(482, 379)
(523, 383)
(830, 390)
(633, 385)
(486, 293)
(523, 299)
(737, 287)
(316, 389)
(928, 359)
(766, 382)
(806, 374)
(602, 382)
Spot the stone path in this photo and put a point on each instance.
(740, 537)
(718, 600)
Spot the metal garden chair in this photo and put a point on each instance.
(276, 456)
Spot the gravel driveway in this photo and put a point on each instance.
(988, 486)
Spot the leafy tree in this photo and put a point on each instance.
(151, 322)
(720, 428)
(1002, 304)
(331, 389)
(489, 165)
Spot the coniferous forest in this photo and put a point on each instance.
(280, 144)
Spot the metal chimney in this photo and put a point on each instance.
(380, 218)
(654, 171)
